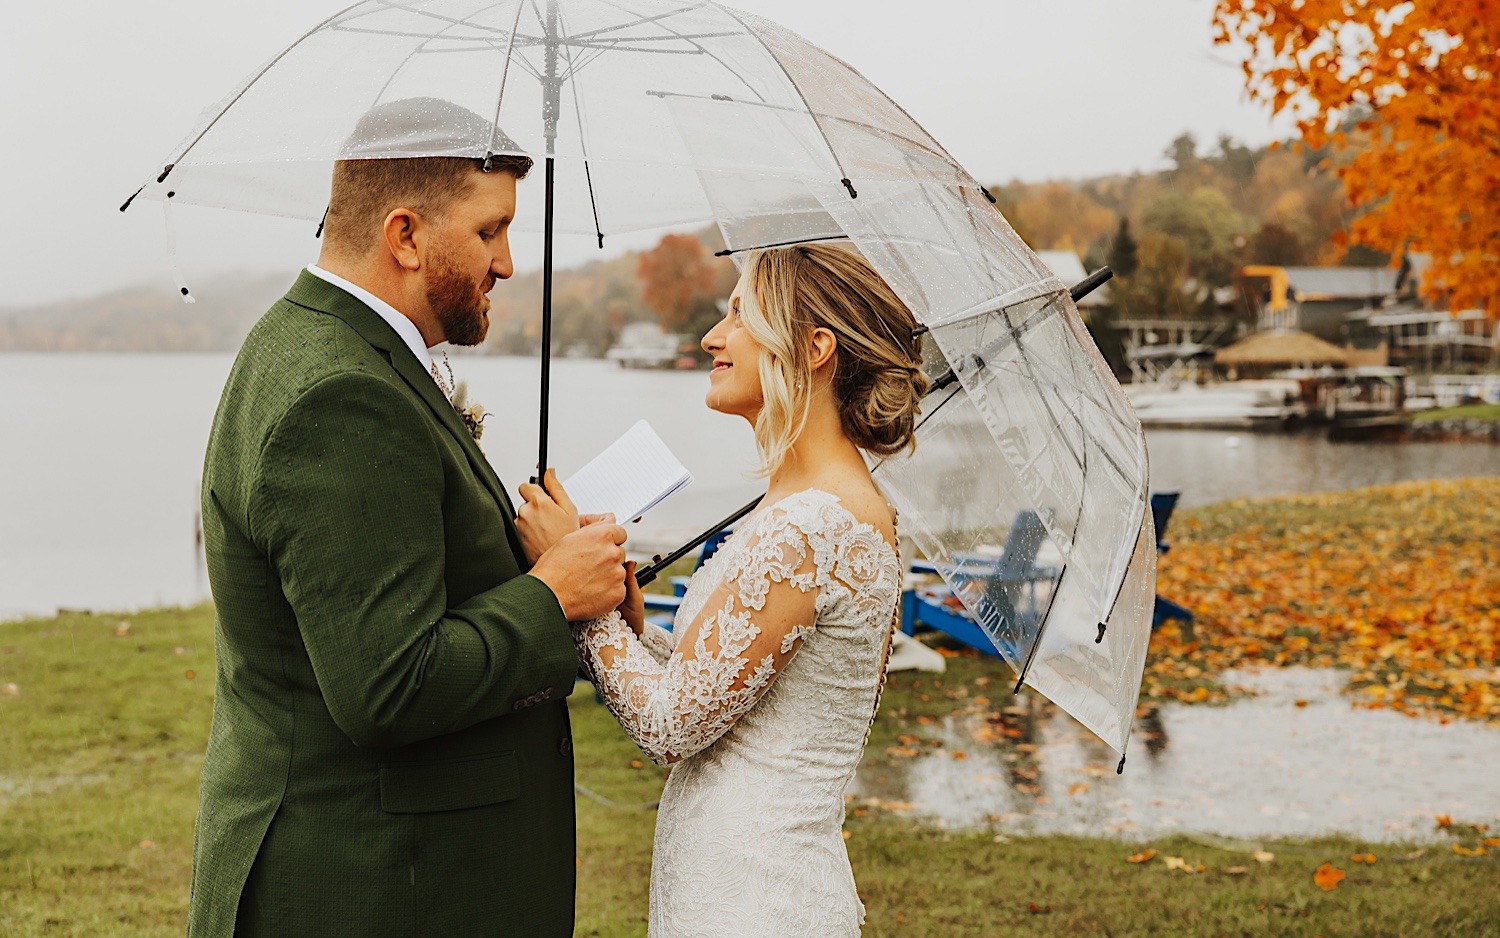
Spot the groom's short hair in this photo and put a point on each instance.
(397, 158)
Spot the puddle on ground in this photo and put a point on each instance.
(1260, 767)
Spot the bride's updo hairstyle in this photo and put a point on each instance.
(878, 379)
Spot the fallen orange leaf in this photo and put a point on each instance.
(1468, 852)
(1328, 876)
(1078, 788)
(1301, 703)
(1366, 858)
(1492, 841)
(1141, 857)
(960, 755)
(1444, 820)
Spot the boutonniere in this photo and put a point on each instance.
(470, 412)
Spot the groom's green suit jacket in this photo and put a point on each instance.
(390, 752)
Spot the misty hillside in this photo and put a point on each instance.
(146, 318)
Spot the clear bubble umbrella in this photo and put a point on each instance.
(1028, 489)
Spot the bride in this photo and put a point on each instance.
(762, 695)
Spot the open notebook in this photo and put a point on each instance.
(633, 475)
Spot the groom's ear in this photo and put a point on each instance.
(405, 237)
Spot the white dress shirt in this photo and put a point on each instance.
(404, 327)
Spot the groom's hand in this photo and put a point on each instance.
(546, 516)
(586, 570)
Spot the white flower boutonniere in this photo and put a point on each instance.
(470, 412)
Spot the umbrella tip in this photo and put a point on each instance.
(1100, 637)
(850, 186)
(1120, 769)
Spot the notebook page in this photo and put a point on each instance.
(632, 475)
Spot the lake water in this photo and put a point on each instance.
(100, 457)
(1263, 766)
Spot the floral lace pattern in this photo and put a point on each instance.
(761, 698)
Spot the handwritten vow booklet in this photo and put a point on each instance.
(635, 474)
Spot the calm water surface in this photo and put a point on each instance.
(100, 457)
(1260, 767)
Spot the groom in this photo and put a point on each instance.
(390, 751)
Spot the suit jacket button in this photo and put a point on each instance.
(565, 747)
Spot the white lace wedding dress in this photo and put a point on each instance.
(762, 698)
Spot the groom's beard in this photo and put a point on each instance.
(459, 302)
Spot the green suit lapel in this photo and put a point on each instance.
(317, 294)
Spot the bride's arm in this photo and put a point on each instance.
(724, 660)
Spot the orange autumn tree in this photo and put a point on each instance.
(674, 276)
(1415, 85)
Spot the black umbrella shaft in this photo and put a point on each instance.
(659, 563)
(541, 460)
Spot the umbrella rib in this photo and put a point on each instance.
(940, 150)
(428, 14)
(816, 123)
(583, 147)
(241, 93)
(815, 115)
(504, 75)
(421, 48)
(407, 34)
(615, 48)
(725, 65)
(642, 21)
(610, 42)
(1036, 643)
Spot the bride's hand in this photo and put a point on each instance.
(546, 516)
(633, 609)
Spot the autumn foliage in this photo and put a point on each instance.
(675, 275)
(1400, 585)
(1407, 95)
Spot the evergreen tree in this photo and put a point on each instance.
(1122, 254)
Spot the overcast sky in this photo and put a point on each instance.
(94, 93)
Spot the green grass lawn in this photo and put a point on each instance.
(1464, 412)
(101, 739)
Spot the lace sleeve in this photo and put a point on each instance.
(658, 641)
(750, 626)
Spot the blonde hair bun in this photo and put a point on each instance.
(879, 382)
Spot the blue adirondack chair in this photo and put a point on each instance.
(1162, 506)
(1010, 582)
(1015, 581)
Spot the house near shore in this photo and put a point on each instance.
(1376, 315)
(1318, 300)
